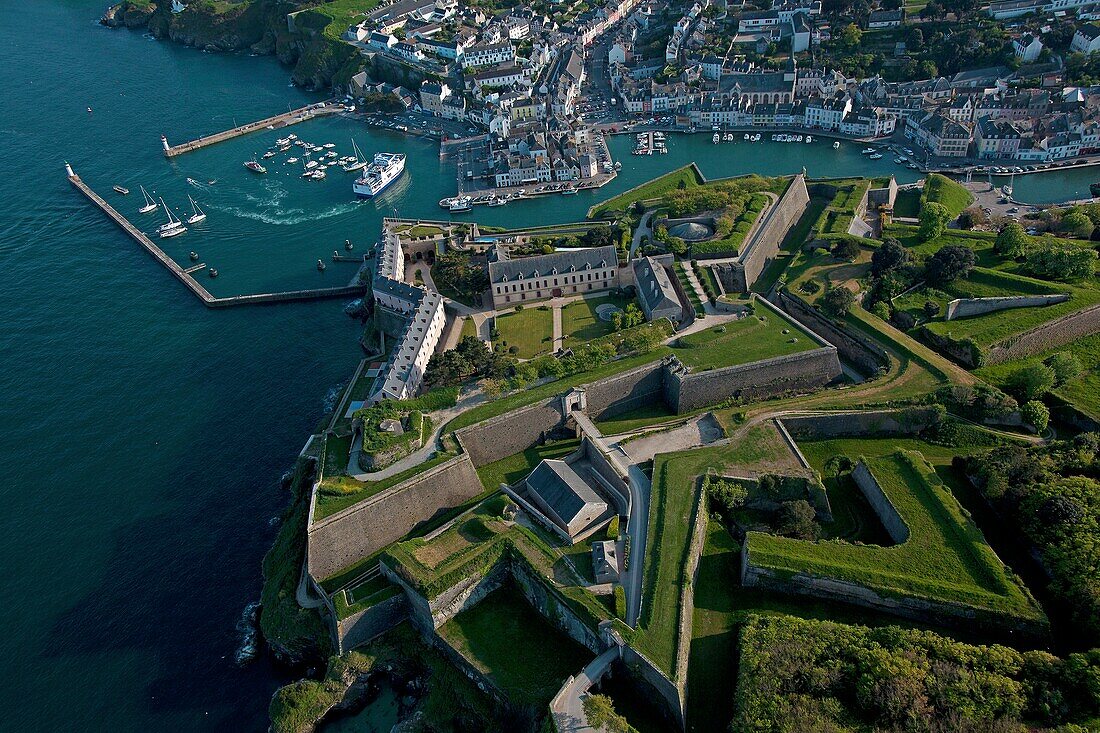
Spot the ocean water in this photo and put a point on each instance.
(142, 437)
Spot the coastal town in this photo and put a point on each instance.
(701, 448)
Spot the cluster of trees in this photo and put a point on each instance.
(803, 675)
(1051, 493)
(792, 517)
(629, 318)
(1045, 259)
(894, 269)
(727, 196)
(468, 360)
(1034, 381)
(454, 272)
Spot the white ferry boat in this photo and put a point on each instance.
(386, 168)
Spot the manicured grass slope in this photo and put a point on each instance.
(946, 557)
(749, 339)
(531, 330)
(580, 323)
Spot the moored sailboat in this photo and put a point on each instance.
(150, 204)
(172, 223)
(198, 215)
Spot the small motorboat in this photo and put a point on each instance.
(121, 189)
(875, 156)
(213, 272)
(317, 175)
(291, 160)
(269, 154)
(836, 145)
(193, 255)
(320, 266)
(348, 245)
(494, 201)
(254, 166)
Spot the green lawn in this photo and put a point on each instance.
(504, 637)
(687, 176)
(531, 330)
(945, 558)
(654, 412)
(469, 328)
(907, 203)
(951, 194)
(579, 322)
(742, 341)
(511, 469)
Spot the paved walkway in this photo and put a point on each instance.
(642, 231)
(567, 707)
(556, 309)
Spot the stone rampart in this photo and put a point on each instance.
(870, 422)
(510, 433)
(1047, 336)
(966, 307)
(624, 392)
(361, 627)
(348, 536)
(467, 593)
(867, 357)
(765, 242)
(539, 595)
(802, 372)
(645, 670)
(880, 502)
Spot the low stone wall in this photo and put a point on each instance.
(359, 628)
(1061, 331)
(870, 422)
(966, 307)
(757, 380)
(867, 356)
(347, 537)
(880, 502)
(510, 433)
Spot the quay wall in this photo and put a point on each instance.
(965, 307)
(357, 532)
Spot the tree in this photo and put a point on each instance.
(850, 36)
(1032, 382)
(1012, 241)
(1061, 262)
(1077, 224)
(846, 248)
(931, 309)
(1065, 366)
(837, 464)
(890, 256)
(949, 263)
(838, 301)
(1036, 414)
(933, 220)
(600, 711)
(797, 519)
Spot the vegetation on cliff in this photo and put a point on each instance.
(295, 634)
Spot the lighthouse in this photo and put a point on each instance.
(69, 170)
(164, 144)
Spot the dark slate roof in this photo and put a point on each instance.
(654, 285)
(564, 262)
(562, 488)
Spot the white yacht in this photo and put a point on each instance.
(150, 204)
(198, 215)
(172, 223)
(384, 170)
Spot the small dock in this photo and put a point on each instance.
(285, 119)
(184, 275)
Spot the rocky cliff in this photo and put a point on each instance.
(320, 60)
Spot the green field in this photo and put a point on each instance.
(530, 330)
(580, 323)
(469, 328)
(511, 469)
(907, 203)
(945, 558)
(504, 637)
(688, 176)
(748, 339)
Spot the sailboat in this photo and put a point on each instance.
(199, 214)
(360, 159)
(173, 222)
(150, 204)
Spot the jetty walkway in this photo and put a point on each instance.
(285, 119)
(184, 275)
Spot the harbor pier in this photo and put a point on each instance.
(285, 119)
(184, 275)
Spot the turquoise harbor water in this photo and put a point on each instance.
(143, 436)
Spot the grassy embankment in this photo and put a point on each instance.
(530, 330)
(579, 322)
(943, 190)
(687, 177)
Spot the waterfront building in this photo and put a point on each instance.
(550, 276)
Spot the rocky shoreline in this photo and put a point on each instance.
(257, 26)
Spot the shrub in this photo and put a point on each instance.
(931, 309)
(1032, 382)
(881, 309)
(838, 301)
(1065, 366)
(809, 287)
(620, 602)
(797, 519)
(1012, 241)
(612, 531)
(1061, 262)
(1036, 414)
(890, 256)
(846, 248)
(950, 263)
(1077, 224)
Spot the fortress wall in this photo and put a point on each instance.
(765, 243)
(359, 628)
(880, 502)
(624, 392)
(357, 532)
(558, 614)
(757, 380)
(510, 433)
(871, 422)
(867, 357)
(1047, 336)
(965, 307)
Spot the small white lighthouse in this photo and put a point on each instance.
(164, 144)
(69, 170)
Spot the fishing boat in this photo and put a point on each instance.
(282, 141)
(875, 156)
(150, 204)
(318, 174)
(213, 272)
(867, 151)
(254, 166)
(461, 205)
(809, 139)
(311, 164)
(716, 138)
(193, 255)
(569, 192)
(320, 266)
(291, 160)
(198, 215)
(172, 223)
(329, 146)
(494, 201)
(121, 189)
(291, 136)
